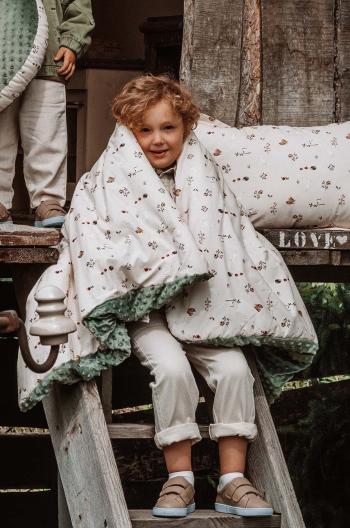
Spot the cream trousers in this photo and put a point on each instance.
(174, 390)
(38, 118)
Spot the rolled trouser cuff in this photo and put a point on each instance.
(177, 433)
(243, 429)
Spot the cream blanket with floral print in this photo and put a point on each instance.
(129, 248)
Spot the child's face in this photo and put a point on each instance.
(161, 135)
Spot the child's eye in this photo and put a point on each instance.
(144, 129)
(169, 127)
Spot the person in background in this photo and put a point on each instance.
(38, 117)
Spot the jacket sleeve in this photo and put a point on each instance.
(76, 26)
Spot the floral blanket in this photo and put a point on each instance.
(129, 248)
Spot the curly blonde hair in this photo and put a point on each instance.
(139, 94)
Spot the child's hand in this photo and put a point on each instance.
(69, 59)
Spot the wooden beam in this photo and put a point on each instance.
(85, 457)
(63, 512)
(28, 255)
(20, 235)
(342, 77)
(201, 519)
(211, 55)
(318, 239)
(106, 393)
(266, 464)
(249, 103)
(316, 258)
(298, 62)
(137, 431)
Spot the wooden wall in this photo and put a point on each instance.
(293, 68)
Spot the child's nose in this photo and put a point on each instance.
(158, 138)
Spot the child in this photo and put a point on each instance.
(155, 247)
(160, 114)
(39, 117)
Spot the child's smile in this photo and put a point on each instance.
(161, 135)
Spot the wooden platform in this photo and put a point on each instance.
(203, 519)
(311, 254)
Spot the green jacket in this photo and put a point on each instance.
(70, 25)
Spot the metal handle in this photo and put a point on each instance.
(9, 323)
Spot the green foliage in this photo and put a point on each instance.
(329, 308)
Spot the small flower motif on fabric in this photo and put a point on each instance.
(153, 245)
(207, 304)
(201, 237)
(219, 254)
(124, 191)
(341, 200)
(285, 322)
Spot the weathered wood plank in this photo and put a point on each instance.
(20, 235)
(28, 255)
(249, 102)
(210, 66)
(137, 431)
(85, 457)
(106, 393)
(316, 258)
(63, 512)
(308, 238)
(343, 58)
(266, 464)
(201, 518)
(298, 62)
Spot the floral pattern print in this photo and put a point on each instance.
(284, 176)
(196, 253)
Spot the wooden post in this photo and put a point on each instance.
(249, 102)
(211, 51)
(266, 464)
(85, 457)
(63, 512)
(106, 393)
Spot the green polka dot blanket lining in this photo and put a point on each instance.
(23, 34)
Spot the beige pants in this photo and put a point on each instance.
(174, 390)
(38, 118)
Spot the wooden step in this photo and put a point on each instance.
(203, 519)
(124, 431)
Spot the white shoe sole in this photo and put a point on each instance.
(55, 221)
(243, 512)
(173, 512)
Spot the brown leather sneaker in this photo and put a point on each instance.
(175, 499)
(49, 214)
(239, 497)
(5, 216)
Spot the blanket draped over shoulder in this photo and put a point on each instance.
(129, 248)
